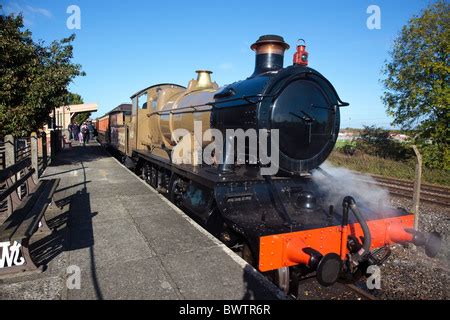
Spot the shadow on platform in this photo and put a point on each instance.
(72, 229)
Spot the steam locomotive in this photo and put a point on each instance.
(281, 223)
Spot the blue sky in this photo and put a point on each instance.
(125, 46)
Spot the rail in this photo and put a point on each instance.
(363, 294)
(22, 149)
(205, 107)
(439, 195)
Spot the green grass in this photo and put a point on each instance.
(388, 168)
(341, 144)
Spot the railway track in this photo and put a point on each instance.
(429, 193)
(364, 295)
(310, 289)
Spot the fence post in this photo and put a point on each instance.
(44, 150)
(52, 144)
(34, 155)
(10, 148)
(10, 159)
(417, 185)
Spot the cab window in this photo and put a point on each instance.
(142, 101)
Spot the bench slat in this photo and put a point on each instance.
(13, 222)
(14, 169)
(41, 206)
(17, 184)
(33, 216)
(24, 221)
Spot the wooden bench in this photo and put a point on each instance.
(26, 215)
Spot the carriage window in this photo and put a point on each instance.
(154, 104)
(142, 100)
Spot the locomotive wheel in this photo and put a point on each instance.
(176, 191)
(144, 173)
(281, 278)
(153, 177)
(247, 254)
(214, 224)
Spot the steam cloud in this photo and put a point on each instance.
(344, 182)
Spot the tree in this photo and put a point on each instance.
(417, 91)
(33, 77)
(74, 98)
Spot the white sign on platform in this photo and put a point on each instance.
(10, 254)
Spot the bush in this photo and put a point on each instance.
(432, 156)
(377, 142)
(348, 149)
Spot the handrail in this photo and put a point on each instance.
(211, 105)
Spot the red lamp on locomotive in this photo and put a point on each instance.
(301, 55)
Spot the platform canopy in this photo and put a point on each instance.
(65, 114)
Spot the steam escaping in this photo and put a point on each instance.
(342, 182)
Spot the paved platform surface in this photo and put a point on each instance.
(128, 241)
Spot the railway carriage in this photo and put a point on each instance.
(113, 130)
(102, 126)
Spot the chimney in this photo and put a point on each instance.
(269, 53)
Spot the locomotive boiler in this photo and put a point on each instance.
(282, 223)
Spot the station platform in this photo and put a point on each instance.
(128, 242)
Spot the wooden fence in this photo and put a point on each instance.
(36, 147)
(2, 155)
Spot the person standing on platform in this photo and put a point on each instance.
(76, 131)
(91, 130)
(70, 129)
(85, 133)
